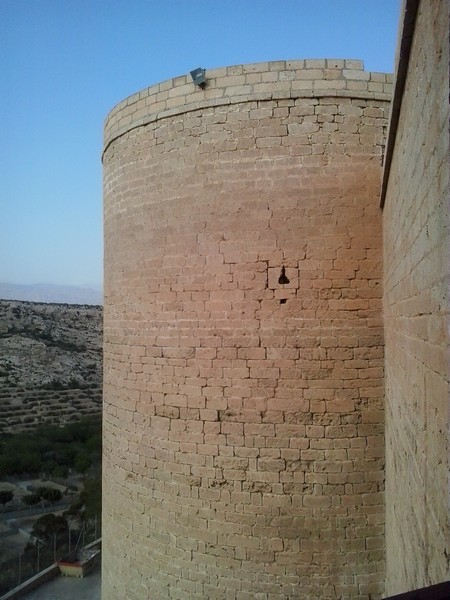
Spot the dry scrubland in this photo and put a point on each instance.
(50, 376)
(50, 363)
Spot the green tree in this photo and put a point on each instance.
(49, 525)
(6, 496)
(89, 503)
(28, 462)
(77, 445)
(8, 464)
(49, 494)
(31, 499)
(94, 444)
(91, 497)
(82, 462)
(60, 471)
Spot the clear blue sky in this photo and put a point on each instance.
(65, 63)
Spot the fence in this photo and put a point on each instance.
(38, 555)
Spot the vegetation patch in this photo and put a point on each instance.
(74, 446)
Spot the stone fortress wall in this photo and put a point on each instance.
(244, 446)
(244, 353)
(416, 308)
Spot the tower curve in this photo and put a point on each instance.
(243, 411)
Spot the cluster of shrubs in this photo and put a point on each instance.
(42, 494)
(52, 450)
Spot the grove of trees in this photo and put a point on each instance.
(51, 450)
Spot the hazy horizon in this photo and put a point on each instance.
(51, 293)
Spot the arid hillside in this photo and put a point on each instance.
(50, 363)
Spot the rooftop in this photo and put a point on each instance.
(69, 588)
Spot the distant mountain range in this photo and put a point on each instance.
(45, 292)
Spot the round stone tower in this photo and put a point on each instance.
(243, 423)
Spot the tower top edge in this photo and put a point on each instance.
(272, 80)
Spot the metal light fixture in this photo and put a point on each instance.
(199, 77)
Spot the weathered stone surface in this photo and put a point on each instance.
(243, 421)
(244, 414)
(416, 224)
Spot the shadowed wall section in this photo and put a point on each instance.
(243, 416)
(416, 310)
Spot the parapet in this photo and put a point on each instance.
(310, 78)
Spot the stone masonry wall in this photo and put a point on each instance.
(416, 309)
(243, 396)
